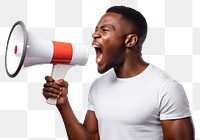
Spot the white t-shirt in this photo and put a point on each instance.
(131, 108)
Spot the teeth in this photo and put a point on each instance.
(95, 46)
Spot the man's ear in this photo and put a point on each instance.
(131, 40)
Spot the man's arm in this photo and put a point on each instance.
(91, 125)
(179, 129)
(75, 130)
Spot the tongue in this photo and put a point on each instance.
(99, 58)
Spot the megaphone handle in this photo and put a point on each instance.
(58, 72)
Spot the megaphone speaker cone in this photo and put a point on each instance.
(16, 49)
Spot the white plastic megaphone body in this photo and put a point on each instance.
(25, 49)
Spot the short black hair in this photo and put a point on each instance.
(135, 18)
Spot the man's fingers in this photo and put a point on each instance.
(52, 89)
(62, 83)
(52, 85)
(50, 95)
(49, 79)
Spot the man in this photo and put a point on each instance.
(134, 100)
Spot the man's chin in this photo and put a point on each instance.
(102, 70)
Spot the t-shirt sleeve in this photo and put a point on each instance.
(90, 98)
(173, 102)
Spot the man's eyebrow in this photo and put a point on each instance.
(105, 25)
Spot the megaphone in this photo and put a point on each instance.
(25, 49)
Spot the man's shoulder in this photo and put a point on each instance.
(158, 77)
(160, 74)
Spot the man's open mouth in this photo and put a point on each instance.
(99, 54)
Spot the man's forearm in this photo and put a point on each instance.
(74, 129)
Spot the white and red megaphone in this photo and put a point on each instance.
(25, 49)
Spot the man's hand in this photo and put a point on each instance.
(55, 89)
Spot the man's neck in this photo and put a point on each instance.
(130, 68)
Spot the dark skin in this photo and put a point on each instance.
(119, 49)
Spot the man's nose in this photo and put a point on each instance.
(96, 34)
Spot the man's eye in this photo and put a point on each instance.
(104, 30)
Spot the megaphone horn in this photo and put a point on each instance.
(25, 49)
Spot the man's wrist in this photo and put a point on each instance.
(64, 104)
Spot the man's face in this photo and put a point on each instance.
(108, 41)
